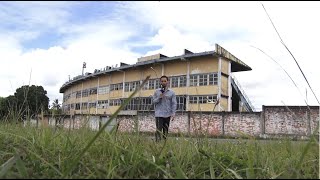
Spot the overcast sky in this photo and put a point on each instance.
(42, 43)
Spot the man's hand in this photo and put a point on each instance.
(172, 117)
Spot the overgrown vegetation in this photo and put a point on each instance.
(29, 152)
(27, 102)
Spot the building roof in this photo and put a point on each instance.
(236, 64)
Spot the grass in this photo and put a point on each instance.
(29, 152)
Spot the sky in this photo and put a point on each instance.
(45, 43)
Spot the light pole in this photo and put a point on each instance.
(83, 66)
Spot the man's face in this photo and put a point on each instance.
(164, 82)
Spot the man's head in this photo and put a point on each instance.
(164, 81)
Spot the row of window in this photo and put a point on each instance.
(174, 81)
(142, 103)
(202, 99)
(203, 79)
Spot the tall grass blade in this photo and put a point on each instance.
(21, 168)
(235, 174)
(114, 115)
(5, 167)
(180, 174)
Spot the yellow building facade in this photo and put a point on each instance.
(201, 81)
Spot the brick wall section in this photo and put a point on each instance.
(126, 123)
(179, 124)
(272, 121)
(147, 123)
(292, 120)
(237, 124)
(206, 124)
(314, 120)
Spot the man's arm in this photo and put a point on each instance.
(173, 105)
(156, 98)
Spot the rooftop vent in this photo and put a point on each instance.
(152, 57)
(186, 51)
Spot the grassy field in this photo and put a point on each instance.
(29, 152)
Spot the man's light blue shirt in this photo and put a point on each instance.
(165, 106)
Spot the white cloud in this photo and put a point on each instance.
(173, 26)
(295, 22)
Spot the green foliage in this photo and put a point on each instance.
(3, 110)
(55, 108)
(27, 101)
(29, 152)
(32, 98)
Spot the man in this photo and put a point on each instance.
(165, 103)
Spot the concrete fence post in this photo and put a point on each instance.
(309, 122)
(73, 119)
(263, 122)
(100, 122)
(223, 122)
(189, 125)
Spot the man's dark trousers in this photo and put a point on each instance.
(162, 125)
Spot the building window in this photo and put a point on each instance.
(78, 95)
(213, 79)
(85, 93)
(66, 107)
(92, 104)
(126, 87)
(112, 88)
(193, 99)
(103, 104)
(84, 105)
(203, 79)
(212, 99)
(146, 104)
(151, 83)
(146, 86)
(157, 81)
(73, 94)
(116, 87)
(133, 85)
(174, 81)
(103, 90)
(202, 99)
(66, 97)
(77, 106)
(114, 102)
(117, 102)
(133, 104)
(193, 80)
(120, 86)
(181, 103)
(93, 91)
(183, 81)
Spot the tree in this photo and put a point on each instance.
(56, 107)
(31, 99)
(9, 109)
(3, 108)
(27, 101)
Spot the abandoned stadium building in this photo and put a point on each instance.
(209, 98)
(199, 80)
